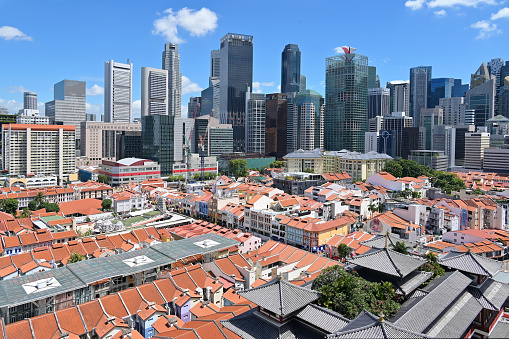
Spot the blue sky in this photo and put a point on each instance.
(43, 42)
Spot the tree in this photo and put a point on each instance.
(106, 204)
(309, 170)
(400, 247)
(238, 167)
(102, 178)
(432, 265)
(32, 205)
(39, 198)
(393, 167)
(348, 294)
(277, 164)
(52, 207)
(25, 213)
(10, 206)
(477, 191)
(75, 257)
(448, 182)
(343, 251)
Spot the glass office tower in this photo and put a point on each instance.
(420, 91)
(346, 102)
(236, 75)
(290, 69)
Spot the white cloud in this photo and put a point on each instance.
(413, 5)
(440, 13)
(12, 106)
(94, 109)
(257, 86)
(136, 106)
(189, 87)
(95, 90)
(386, 60)
(503, 13)
(12, 33)
(466, 3)
(17, 89)
(486, 29)
(197, 23)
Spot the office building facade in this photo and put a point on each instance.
(236, 55)
(420, 91)
(305, 123)
(394, 125)
(346, 106)
(430, 117)
(399, 96)
(290, 69)
(255, 122)
(69, 105)
(154, 91)
(118, 92)
(211, 98)
(29, 100)
(378, 102)
(454, 110)
(39, 149)
(100, 139)
(276, 114)
(481, 99)
(475, 143)
(171, 63)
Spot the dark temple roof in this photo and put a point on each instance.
(471, 263)
(389, 262)
(280, 296)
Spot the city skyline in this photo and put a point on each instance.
(198, 30)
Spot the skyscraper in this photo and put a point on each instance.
(420, 91)
(276, 113)
(481, 99)
(236, 54)
(29, 100)
(378, 102)
(305, 121)
(158, 127)
(400, 96)
(372, 83)
(215, 63)
(454, 110)
(440, 88)
(255, 122)
(346, 101)
(210, 98)
(69, 105)
(430, 117)
(171, 63)
(290, 69)
(118, 91)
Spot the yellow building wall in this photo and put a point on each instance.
(325, 236)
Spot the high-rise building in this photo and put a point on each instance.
(420, 91)
(29, 100)
(255, 122)
(99, 139)
(475, 143)
(39, 149)
(481, 76)
(376, 124)
(218, 138)
(412, 138)
(378, 102)
(194, 105)
(215, 63)
(69, 105)
(302, 82)
(461, 131)
(459, 89)
(211, 98)
(371, 141)
(443, 138)
(481, 99)
(154, 89)
(290, 69)
(171, 63)
(372, 77)
(236, 54)
(157, 140)
(276, 113)
(400, 96)
(430, 117)
(118, 91)
(346, 101)
(454, 110)
(440, 88)
(394, 124)
(305, 121)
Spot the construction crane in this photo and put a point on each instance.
(202, 147)
(187, 147)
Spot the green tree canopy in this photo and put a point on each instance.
(277, 164)
(393, 167)
(10, 206)
(400, 247)
(238, 167)
(343, 251)
(52, 207)
(448, 182)
(32, 205)
(75, 257)
(106, 204)
(102, 178)
(25, 213)
(348, 294)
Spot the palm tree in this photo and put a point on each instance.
(400, 247)
(431, 257)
